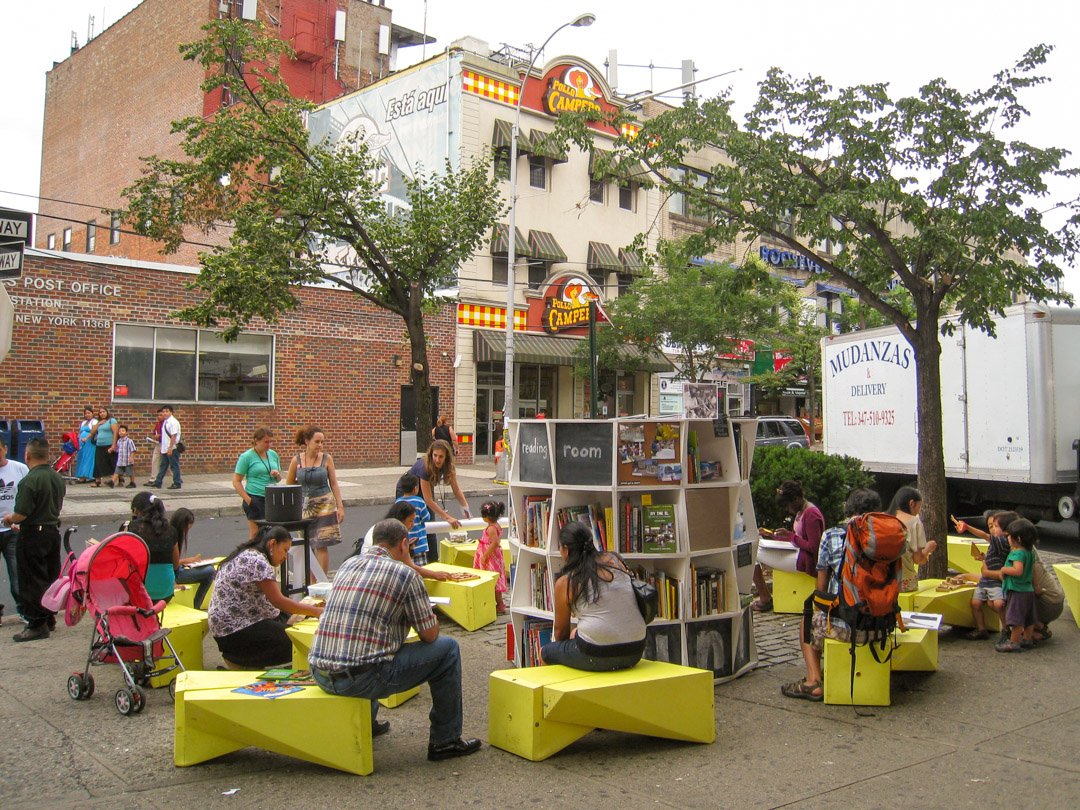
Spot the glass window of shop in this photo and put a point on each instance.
(536, 389)
(190, 365)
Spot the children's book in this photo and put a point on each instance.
(658, 529)
(267, 689)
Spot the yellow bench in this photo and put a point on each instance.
(1068, 575)
(954, 606)
(211, 720)
(913, 650)
(472, 601)
(303, 633)
(185, 594)
(960, 556)
(790, 589)
(535, 712)
(916, 650)
(462, 554)
(187, 628)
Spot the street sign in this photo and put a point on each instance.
(16, 226)
(11, 261)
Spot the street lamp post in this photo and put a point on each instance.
(511, 249)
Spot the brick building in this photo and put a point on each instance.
(97, 330)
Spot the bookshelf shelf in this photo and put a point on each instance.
(675, 486)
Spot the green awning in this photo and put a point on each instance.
(602, 257)
(545, 248)
(630, 260)
(530, 347)
(500, 241)
(623, 170)
(544, 144)
(503, 134)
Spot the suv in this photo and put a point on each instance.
(782, 430)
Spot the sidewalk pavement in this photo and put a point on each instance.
(212, 494)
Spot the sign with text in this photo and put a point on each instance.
(563, 307)
(16, 232)
(583, 453)
(533, 453)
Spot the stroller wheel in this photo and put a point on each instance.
(172, 689)
(140, 699)
(80, 686)
(125, 701)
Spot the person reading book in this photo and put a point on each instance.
(594, 586)
(359, 648)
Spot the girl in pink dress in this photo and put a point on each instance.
(489, 554)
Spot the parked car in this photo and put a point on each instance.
(782, 430)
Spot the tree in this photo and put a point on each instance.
(922, 191)
(800, 339)
(295, 208)
(699, 312)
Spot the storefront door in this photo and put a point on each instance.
(489, 402)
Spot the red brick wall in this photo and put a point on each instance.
(333, 364)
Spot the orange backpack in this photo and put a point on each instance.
(870, 577)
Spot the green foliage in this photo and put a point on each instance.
(826, 481)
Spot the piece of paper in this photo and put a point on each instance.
(439, 600)
(922, 621)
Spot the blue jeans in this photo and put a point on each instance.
(202, 574)
(438, 664)
(170, 462)
(7, 548)
(569, 654)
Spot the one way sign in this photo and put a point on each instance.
(16, 232)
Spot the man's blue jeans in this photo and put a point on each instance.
(438, 664)
(169, 462)
(7, 549)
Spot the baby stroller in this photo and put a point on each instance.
(69, 451)
(106, 580)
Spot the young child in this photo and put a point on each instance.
(1016, 577)
(125, 458)
(489, 553)
(418, 536)
(988, 590)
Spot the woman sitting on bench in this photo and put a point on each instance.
(248, 611)
(595, 587)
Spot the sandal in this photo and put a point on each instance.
(1044, 635)
(761, 607)
(977, 635)
(1007, 647)
(803, 691)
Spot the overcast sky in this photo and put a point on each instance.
(844, 41)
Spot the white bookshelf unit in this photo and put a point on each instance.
(635, 482)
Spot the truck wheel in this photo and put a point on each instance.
(1066, 507)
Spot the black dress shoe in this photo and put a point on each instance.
(458, 748)
(378, 728)
(174, 486)
(28, 634)
(51, 622)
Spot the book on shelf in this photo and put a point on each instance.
(593, 516)
(698, 470)
(666, 586)
(658, 535)
(707, 590)
(537, 514)
(535, 633)
(540, 588)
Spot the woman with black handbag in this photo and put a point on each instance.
(597, 588)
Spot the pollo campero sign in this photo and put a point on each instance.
(564, 306)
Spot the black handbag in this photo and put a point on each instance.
(180, 447)
(648, 598)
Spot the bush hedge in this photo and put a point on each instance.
(826, 481)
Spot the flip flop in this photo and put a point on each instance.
(802, 691)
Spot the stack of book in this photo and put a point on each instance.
(537, 512)
(540, 588)
(592, 515)
(535, 633)
(707, 593)
(647, 529)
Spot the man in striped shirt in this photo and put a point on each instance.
(359, 648)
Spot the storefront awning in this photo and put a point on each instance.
(500, 241)
(544, 144)
(545, 248)
(503, 134)
(631, 260)
(529, 347)
(602, 257)
(624, 170)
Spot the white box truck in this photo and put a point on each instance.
(1010, 409)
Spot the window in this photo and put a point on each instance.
(50, 241)
(502, 164)
(596, 191)
(625, 280)
(678, 203)
(537, 171)
(114, 230)
(599, 275)
(91, 236)
(538, 271)
(627, 197)
(190, 365)
(66, 243)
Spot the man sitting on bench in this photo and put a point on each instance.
(359, 647)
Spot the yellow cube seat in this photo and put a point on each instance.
(187, 628)
(185, 594)
(472, 601)
(960, 556)
(462, 554)
(916, 650)
(303, 633)
(872, 680)
(1068, 575)
(954, 606)
(790, 590)
(535, 712)
(211, 720)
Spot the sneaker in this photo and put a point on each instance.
(174, 486)
(33, 634)
(131, 485)
(977, 635)
(51, 623)
(460, 747)
(150, 484)
(1007, 647)
(380, 727)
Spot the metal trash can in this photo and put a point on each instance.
(5, 434)
(23, 432)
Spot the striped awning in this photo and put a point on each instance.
(630, 260)
(500, 241)
(529, 347)
(545, 248)
(625, 169)
(602, 257)
(503, 134)
(544, 144)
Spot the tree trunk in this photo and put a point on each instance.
(420, 377)
(931, 448)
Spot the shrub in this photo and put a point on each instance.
(826, 481)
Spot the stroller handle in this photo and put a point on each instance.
(67, 537)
